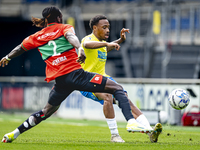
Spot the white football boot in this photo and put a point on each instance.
(117, 138)
(8, 138)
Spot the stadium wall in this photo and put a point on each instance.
(30, 94)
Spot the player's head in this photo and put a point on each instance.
(50, 14)
(100, 27)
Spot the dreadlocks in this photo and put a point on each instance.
(49, 15)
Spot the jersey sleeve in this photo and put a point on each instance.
(68, 28)
(88, 38)
(28, 43)
(85, 39)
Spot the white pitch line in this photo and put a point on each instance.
(16, 120)
(68, 123)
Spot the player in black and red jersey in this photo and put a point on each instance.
(57, 42)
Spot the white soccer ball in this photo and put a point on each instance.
(179, 99)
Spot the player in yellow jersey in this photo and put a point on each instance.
(97, 57)
(96, 48)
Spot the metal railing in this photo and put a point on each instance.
(36, 80)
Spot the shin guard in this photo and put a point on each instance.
(33, 120)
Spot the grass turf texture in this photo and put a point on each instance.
(60, 134)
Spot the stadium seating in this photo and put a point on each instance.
(181, 30)
(10, 8)
(181, 64)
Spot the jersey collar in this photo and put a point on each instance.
(94, 37)
(51, 24)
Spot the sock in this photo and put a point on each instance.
(130, 121)
(112, 124)
(123, 104)
(143, 120)
(16, 133)
(30, 122)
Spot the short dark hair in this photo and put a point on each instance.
(95, 20)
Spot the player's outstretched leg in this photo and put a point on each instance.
(118, 92)
(133, 125)
(32, 121)
(139, 117)
(153, 136)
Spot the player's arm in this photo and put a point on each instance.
(74, 41)
(97, 44)
(120, 40)
(18, 50)
(94, 44)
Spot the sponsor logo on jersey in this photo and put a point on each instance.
(102, 55)
(58, 60)
(48, 34)
(97, 79)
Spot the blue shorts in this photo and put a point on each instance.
(92, 96)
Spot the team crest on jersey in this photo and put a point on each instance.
(97, 79)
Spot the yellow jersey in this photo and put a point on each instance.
(95, 58)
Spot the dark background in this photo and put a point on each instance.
(30, 63)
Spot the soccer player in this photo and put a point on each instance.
(56, 43)
(96, 48)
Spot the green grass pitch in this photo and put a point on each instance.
(65, 134)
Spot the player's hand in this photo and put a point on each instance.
(81, 56)
(4, 62)
(123, 34)
(113, 45)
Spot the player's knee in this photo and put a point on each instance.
(112, 86)
(119, 87)
(108, 98)
(116, 88)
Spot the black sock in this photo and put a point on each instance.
(29, 123)
(123, 104)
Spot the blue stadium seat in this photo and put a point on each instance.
(184, 23)
(43, 1)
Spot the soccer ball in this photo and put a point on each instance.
(179, 99)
